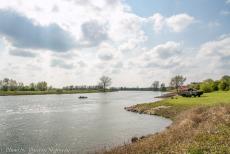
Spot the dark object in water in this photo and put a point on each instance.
(191, 92)
(82, 97)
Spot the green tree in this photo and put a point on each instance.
(32, 86)
(223, 85)
(42, 86)
(214, 85)
(194, 85)
(206, 87)
(177, 81)
(162, 87)
(12, 85)
(5, 84)
(156, 85)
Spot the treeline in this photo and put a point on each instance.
(83, 87)
(211, 85)
(163, 88)
(12, 85)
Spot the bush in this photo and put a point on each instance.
(206, 87)
(223, 85)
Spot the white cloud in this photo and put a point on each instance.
(167, 49)
(106, 52)
(220, 47)
(176, 23)
(179, 22)
(158, 22)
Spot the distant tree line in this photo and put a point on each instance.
(210, 85)
(12, 85)
(103, 84)
(157, 86)
(82, 87)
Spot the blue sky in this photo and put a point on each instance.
(135, 42)
(205, 12)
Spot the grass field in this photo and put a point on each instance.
(178, 104)
(200, 126)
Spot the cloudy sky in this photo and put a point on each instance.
(134, 42)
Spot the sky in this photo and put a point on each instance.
(75, 42)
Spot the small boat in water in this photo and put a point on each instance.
(82, 97)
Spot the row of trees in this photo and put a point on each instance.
(157, 86)
(211, 85)
(103, 84)
(12, 85)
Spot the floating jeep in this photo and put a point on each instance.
(191, 92)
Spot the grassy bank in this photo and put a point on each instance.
(13, 93)
(170, 108)
(200, 125)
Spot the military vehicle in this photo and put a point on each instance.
(191, 92)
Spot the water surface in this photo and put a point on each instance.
(45, 123)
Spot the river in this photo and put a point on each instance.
(66, 124)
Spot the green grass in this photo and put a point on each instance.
(179, 104)
(9, 93)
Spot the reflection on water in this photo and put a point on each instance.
(43, 124)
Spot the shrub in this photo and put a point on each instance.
(206, 87)
(223, 85)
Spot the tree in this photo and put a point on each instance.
(206, 87)
(155, 85)
(105, 82)
(162, 87)
(223, 85)
(12, 85)
(177, 81)
(42, 86)
(32, 86)
(5, 84)
(195, 85)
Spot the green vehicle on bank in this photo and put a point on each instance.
(191, 93)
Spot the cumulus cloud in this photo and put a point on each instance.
(220, 47)
(61, 64)
(24, 33)
(179, 22)
(158, 22)
(22, 53)
(94, 33)
(176, 23)
(167, 49)
(106, 52)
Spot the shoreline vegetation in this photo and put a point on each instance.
(50, 92)
(200, 125)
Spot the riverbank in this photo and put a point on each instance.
(49, 92)
(200, 125)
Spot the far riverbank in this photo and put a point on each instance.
(49, 92)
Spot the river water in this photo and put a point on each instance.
(66, 124)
